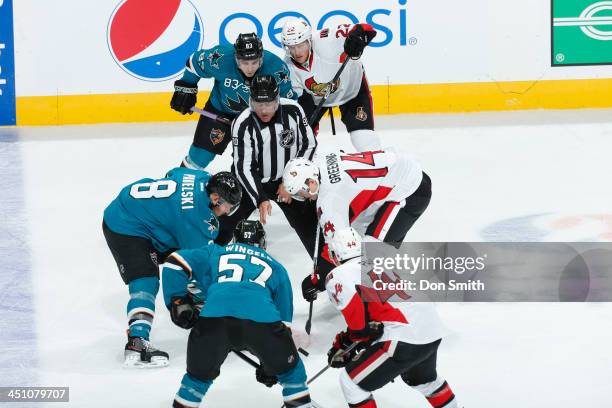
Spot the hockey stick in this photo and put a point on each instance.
(317, 375)
(328, 92)
(252, 363)
(212, 116)
(308, 326)
(246, 358)
(309, 321)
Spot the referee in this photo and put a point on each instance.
(265, 137)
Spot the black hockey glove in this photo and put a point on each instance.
(372, 332)
(311, 285)
(337, 356)
(184, 97)
(265, 379)
(358, 38)
(195, 295)
(183, 312)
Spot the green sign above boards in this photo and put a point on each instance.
(581, 32)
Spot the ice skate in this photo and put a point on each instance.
(140, 353)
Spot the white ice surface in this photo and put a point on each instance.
(485, 168)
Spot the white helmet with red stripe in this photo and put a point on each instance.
(345, 244)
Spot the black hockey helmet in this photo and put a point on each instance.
(264, 88)
(226, 185)
(250, 232)
(248, 47)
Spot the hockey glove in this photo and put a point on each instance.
(372, 332)
(183, 312)
(265, 379)
(195, 295)
(358, 38)
(184, 97)
(311, 285)
(337, 356)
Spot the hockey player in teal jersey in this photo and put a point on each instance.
(247, 295)
(148, 220)
(232, 68)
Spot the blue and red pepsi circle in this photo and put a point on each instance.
(151, 39)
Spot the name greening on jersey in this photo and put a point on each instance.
(333, 170)
(187, 187)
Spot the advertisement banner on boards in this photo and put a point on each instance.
(581, 32)
(7, 65)
(151, 39)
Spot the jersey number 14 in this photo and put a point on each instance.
(364, 158)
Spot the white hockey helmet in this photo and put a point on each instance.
(297, 172)
(344, 245)
(295, 31)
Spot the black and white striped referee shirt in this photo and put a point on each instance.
(261, 150)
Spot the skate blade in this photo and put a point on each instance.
(135, 362)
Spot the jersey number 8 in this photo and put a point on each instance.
(156, 189)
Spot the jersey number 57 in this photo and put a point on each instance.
(234, 272)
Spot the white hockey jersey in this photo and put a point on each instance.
(325, 60)
(409, 322)
(355, 185)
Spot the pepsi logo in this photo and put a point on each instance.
(151, 39)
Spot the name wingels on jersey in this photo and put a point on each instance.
(325, 59)
(355, 185)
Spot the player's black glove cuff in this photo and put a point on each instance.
(337, 356)
(265, 379)
(311, 285)
(358, 38)
(184, 97)
(372, 332)
(183, 312)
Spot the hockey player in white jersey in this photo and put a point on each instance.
(380, 193)
(314, 60)
(394, 338)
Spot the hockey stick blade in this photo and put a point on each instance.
(309, 321)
